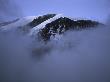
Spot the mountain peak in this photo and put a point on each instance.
(53, 24)
(50, 25)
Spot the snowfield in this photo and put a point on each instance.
(20, 22)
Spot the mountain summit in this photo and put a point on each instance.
(49, 25)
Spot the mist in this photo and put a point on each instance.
(9, 10)
(77, 56)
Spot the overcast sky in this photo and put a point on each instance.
(93, 9)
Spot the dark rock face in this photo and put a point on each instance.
(58, 26)
(63, 24)
(36, 22)
(41, 19)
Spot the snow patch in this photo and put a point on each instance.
(20, 22)
(35, 30)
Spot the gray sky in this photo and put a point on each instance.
(93, 9)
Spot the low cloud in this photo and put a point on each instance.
(9, 10)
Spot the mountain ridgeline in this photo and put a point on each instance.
(7, 23)
(63, 24)
(50, 25)
(41, 19)
(60, 25)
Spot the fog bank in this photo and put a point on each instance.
(77, 56)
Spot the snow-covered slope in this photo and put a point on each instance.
(49, 25)
(35, 30)
(20, 22)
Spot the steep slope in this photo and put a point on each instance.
(7, 23)
(63, 24)
(37, 28)
(41, 19)
(49, 25)
(21, 22)
(59, 24)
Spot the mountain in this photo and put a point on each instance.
(7, 23)
(49, 25)
(61, 25)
